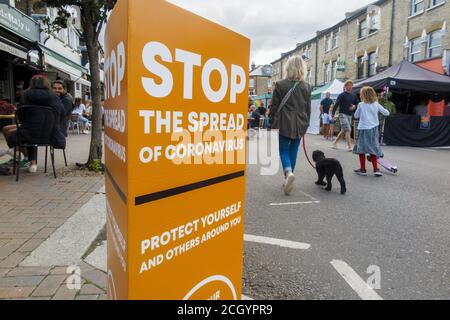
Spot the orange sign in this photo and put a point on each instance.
(175, 119)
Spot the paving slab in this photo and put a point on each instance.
(98, 257)
(67, 245)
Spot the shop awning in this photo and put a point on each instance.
(60, 62)
(335, 88)
(266, 96)
(13, 48)
(80, 80)
(19, 23)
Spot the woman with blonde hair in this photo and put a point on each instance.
(290, 112)
(368, 136)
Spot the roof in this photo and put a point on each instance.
(350, 16)
(408, 76)
(262, 71)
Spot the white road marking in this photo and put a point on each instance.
(243, 298)
(425, 149)
(308, 195)
(294, 203)
(277, 242)
(355, 281)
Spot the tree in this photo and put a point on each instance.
(94, 14)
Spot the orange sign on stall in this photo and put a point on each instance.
(175, 120)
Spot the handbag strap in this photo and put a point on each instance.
(287, 97)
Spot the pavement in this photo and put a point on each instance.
(34, 209)
(392, 232)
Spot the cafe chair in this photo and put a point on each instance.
(74, 124)
(43, 116)
(46, 157)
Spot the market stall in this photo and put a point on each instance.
(335, 88)
(264, 100)
(421, 98)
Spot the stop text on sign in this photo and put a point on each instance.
(161, 86)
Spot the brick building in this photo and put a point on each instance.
(260, 80)
(375, 37)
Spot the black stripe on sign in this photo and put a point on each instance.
(187, 188)
(116, 186)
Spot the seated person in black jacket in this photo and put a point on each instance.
(38, 126)
(60, 89)
(254, 118)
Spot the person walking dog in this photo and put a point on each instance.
(290, 112)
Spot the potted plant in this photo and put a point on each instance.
(6, 108)
(384, 98)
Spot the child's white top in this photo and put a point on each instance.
(368, 115)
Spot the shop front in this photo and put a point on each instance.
(20, 56)
(435, 65)
(422, 104)
(58, 67)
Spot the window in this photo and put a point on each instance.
(434, 3)
(362, 29)
(334, 70)
(327, 72)
(5, 82)
(252, 83)
(62, 35)
(372, 65)
(269, 84)
(73, 38)
(328, 43)
(335, 40)
(307, 52)
(434, 46)
(69, 38)
(52, 14)
(331, 41)
(374, 22)
(360, 68)
(414, 50)
(417, 6)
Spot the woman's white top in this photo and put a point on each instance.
(368, 115)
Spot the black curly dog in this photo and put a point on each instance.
(327, 168)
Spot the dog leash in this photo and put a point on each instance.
(306, 153)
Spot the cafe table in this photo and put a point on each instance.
(7, 116)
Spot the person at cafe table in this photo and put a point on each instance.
(39, 94)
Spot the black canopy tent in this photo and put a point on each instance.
(407, 76)
(409, 81)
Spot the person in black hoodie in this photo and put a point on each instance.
(35, 127)
(60, 89)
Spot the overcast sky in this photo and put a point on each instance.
(274, 26)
